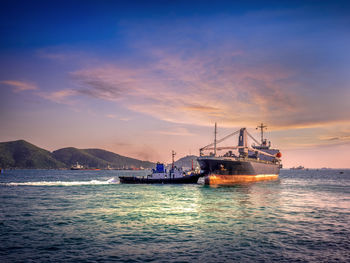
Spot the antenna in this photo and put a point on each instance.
(261, 127)
(215, 133)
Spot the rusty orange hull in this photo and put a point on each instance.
(219, 179)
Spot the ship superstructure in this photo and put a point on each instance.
(241, 163)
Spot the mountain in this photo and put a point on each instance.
(22, 154)
(187, 161)
(70, 156)
(119, 161)
(97, 158)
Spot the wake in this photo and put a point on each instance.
(61, 183)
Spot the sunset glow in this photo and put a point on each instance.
(145, 78)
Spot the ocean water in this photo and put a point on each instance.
(86, 216)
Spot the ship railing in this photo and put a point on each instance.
(237, 158)
(237, 148)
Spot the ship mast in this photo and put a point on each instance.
(242, 142)
(173, 153)
(215, 133)
(261, 127)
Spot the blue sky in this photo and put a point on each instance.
(141, 78)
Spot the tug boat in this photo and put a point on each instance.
(249, 164)
(160, 175)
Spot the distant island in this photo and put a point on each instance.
(21, 154)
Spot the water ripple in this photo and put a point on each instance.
(300, 218)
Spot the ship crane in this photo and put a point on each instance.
(242, 147)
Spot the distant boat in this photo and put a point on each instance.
(161, 176)
(298, 168)
(78, 166)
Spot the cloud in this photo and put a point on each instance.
(113, 116)
(230, 88)
(194, 90)
(175, 131)
(247, 75)
(227, 75)
(107, 82)
(313, 137)
(62, 96)
(19, 86)
(338, 136)
(201, 108)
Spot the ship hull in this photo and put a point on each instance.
(191, 179)
(228, 171)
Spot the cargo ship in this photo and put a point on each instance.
(241, 163)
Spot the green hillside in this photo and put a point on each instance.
(97, 158)
(22, 154)
(70, 156)
(118, 161)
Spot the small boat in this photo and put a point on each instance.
(77, 166)
(161, 176)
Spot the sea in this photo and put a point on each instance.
(87, 216)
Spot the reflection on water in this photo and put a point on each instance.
(292, 219)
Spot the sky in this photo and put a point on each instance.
(142, 78)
